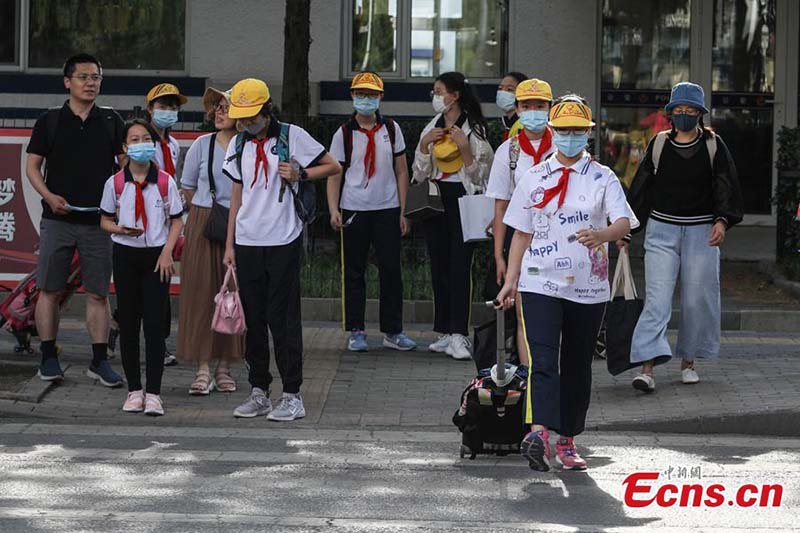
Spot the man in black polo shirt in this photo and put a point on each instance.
(79, 142)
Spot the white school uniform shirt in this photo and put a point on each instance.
(157, 220)
(263, 220)
(174, 150)
(380, 192)
(195, 173)
(473, 178)
(500, 186)
(555, 264)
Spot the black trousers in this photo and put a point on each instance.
(381, 230)
(141, 299)
(269, 286)
(561, 336)
(451, 264)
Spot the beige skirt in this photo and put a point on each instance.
(202, 273)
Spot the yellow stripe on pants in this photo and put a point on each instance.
(529, 391)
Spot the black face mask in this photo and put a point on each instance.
(684, 122)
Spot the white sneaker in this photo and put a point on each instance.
(440, 346)
(689, 376)
(459, 347)
(644, 383)
(290, 407)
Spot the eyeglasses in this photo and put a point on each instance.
(86, 77)
(574, 132)
(221, 108)
(692, 112)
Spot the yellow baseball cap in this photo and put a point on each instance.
(534, 89)
(571, 114)
(367, 80)
(447, 155)
(165, 89)
(248, 96)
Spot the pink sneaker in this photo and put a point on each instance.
(535, 447)
(567, 455)
(135, 402)
(153, 405)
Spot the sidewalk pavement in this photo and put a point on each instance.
(754, 388)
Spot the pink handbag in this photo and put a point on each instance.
(229, 315)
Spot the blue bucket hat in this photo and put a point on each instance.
(687, 93)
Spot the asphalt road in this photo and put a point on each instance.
(144, 478)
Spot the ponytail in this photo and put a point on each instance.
(455, 82)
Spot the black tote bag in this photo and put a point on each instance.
(216, 229)
(622, 314)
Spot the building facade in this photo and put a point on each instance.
(622, 55)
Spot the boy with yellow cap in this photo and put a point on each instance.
(371, 150)
(558, 267)
(265, 241)
(512, 160)
(163, 103)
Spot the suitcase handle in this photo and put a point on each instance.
(501, 339)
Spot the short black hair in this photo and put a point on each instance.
(138, 122)
(72, 61)
(519, 76)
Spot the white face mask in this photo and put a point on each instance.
(438, 103)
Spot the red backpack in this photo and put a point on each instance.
(163, 189)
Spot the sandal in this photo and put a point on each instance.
(224, 381)
(202, 384)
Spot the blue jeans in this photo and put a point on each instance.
(671, 250)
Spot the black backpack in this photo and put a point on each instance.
(109, 122)
(347, 136)
(305, 197)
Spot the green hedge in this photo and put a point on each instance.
(787, 196)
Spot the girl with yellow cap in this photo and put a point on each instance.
(452, 150)
(558, 266)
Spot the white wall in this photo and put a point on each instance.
(237, 39)
(556, 41)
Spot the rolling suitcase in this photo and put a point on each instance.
(490, 417)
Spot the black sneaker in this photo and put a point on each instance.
(104, 374)
(169, 358)
(50, 370)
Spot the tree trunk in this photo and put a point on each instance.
(297, 41)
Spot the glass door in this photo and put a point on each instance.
(743, 93)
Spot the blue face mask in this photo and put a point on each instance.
(366, 105)
(505, 100)
(165, 118)
(570, 145)
(534, 120)
(684, 122)
(141, 152)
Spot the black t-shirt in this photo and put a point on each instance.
(80, 159)
(683, 186)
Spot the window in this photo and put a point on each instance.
(463, 35)
(135, 34)
(645, 44)
(744, 46)
(423, 38)
(374, 35)
(9, 32)
(645, 52)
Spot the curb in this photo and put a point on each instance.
(421, 311)
(34, 389)
(782, 423)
